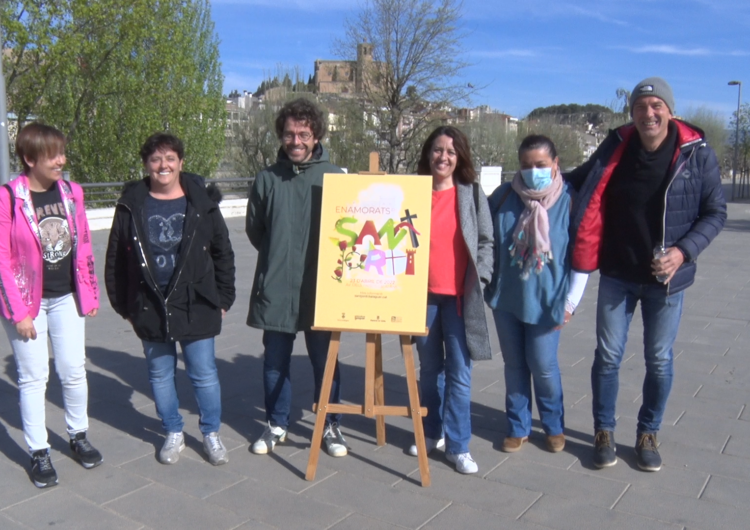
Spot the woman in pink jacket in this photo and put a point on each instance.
(47, 287)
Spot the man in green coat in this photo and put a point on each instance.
(283, 224)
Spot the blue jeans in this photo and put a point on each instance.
(445, 374)
(277, 382)
(200, 365)
(661, 319)
(530, 352)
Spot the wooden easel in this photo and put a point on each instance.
(374, 399)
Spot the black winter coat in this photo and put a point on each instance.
(203, 281)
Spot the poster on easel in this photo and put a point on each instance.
(374, 253)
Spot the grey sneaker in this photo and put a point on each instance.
(464, 462)
(646, 451)
(334, 440)
(42, 472)
(430, 444)
(268, 440)
(173, 446)
(214, 448)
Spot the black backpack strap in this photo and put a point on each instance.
(12, 200)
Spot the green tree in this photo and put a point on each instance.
(108, 74)
(492, 142)
(415, 43)
(714, 126)
(567, 139)
(351, 137)
(742, 138)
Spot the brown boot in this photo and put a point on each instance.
(513, 445)
(556, 443)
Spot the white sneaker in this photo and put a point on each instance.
(214, 448)
(268, 440)
(173, 446)
(334, 440)
(464, 462)
(430, 444)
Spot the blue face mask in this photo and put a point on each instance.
(537, 178)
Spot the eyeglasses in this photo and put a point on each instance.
(289, 136)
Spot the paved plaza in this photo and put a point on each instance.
(705, 439)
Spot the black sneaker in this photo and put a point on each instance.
(646, 453)
(604, 449)
(85, 452)
(42, 472)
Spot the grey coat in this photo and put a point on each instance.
(476, 227)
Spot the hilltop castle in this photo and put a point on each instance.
(344, 77)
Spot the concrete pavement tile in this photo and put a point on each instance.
(7, 523)
(674, 476)
(16, 486)
(729, 491)
(158, 506)
(699, 407)
(460, 516)
(571, 485)
(100, 484)
(355, 493)
(64, 509)
(682, 510)
(275, 470)
(738, 445)
(473, 491)
(255, 499)
(198, 479)
(560, 513)
(358, 522)
(254, 524)
(708, 432)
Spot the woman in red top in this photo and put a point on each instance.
(460, 266)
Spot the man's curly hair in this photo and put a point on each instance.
(306, 111)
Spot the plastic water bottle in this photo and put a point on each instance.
(660, 252)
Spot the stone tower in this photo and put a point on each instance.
(364, 62)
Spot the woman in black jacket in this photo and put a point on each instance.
(170, 273)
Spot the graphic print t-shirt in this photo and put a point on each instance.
(164, 222)
(57, 244)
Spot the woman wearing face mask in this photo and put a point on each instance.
(533, 292)
(460, 266)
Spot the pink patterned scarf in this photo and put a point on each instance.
(531, 247)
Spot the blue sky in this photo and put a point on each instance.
(528, 54)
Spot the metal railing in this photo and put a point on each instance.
(105, 194)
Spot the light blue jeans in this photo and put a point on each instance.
(60, 322)
(530, 353)
(661, 321)
(200, 365)
(445, 374)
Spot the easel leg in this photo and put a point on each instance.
(379, 391)
(411, 382)
(370, 351)
(322, 407)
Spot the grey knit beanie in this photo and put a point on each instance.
(653, 86)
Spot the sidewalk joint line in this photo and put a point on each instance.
(741, 411)
(242, 479)
(631, 356)
(572, 464)
(725, 444)
(637, 398)
(699, 389)
(678, 354)
(485, 388)
(316, 482)
(713, 369)
(620, 497)
(580, 399)
(529, 506)
(151, 483)
(340, 520)
(679, 417)
(705, 485)
(578, 361)
(495, 466)
(725, 353)
(439, 512)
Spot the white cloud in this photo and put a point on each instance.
(669, 49)
(594, 14)
(304, 5)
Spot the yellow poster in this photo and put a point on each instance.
(374, 253)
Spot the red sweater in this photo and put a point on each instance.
(449, 256)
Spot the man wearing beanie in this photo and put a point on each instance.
(650, 201)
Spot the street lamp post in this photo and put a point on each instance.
(736, 134)
(4, 147)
